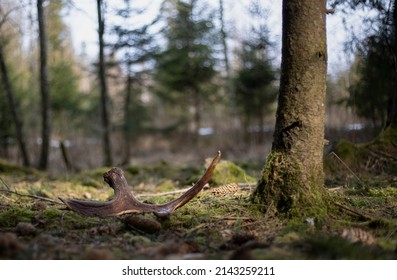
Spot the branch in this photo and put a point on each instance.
(32, 196)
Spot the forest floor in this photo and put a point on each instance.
(220, 223)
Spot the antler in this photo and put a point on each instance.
(124, 201)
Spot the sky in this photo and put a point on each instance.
(83, 23)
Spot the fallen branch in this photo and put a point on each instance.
(32, 196)
(9, 191)
(352, 211)
(5, 184)
(347, 167)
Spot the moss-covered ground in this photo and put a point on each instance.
(362, 224)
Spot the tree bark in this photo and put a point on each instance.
(127, 117)
(44, 89)
(392, 112)
(13, 108)
(292, 180)
(197, 115)
(107, 150)
(229, 83)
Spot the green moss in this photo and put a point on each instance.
(95, 173)
(51, 213)
(91, 178)
(6, 167)
(136, 240)
(387, 244)
(347, 150)
(228, 172)
(383, 192)
(289, 237)
(10, 217)
(284, 188)
(91, 182)
(210, 222)
(377, 156)
(382, 223)
(72, 220)
(155, 173)
(166, 186)
(321, 246)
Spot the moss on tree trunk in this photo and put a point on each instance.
(293, 177)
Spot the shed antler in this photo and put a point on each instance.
(124, 201)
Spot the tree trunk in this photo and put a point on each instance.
(13, 108)
(229, 83)
(261, 124)
(196, 115)
(292, 180)
(107, 151)
(246, 125)
(44, 89)
(392, 110)
(127, 114)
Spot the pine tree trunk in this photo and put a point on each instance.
(107, 151)
(229, 83)
(44, 89)
(292, 180)
(127, 117)
(13, 108)
(392, 110)
(196, 115)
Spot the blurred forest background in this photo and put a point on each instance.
(173, 80)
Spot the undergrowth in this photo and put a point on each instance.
(362, 223)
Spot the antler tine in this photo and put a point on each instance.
(193, 191)
(124, 202)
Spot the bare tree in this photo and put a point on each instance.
(44, 89)
(392, 112)
(293, 178)
(229, 81)
(107, 150)
(13, 108)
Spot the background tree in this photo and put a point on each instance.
(370, 93)
(381, 37)
(106, 131)
(63, 81)
(293, 178)
(136, 45)
(229, 86)
(44, 89)
(11, 107)
(187, 63)
(254, 82)
(255, 90)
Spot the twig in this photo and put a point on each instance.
(232, 218)
(380, 153)
(5, 184)
(334, 189)
(195, 228)
(5, 197)
(348, 168)
(33, 196)
(352, 211)
(390, 234)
